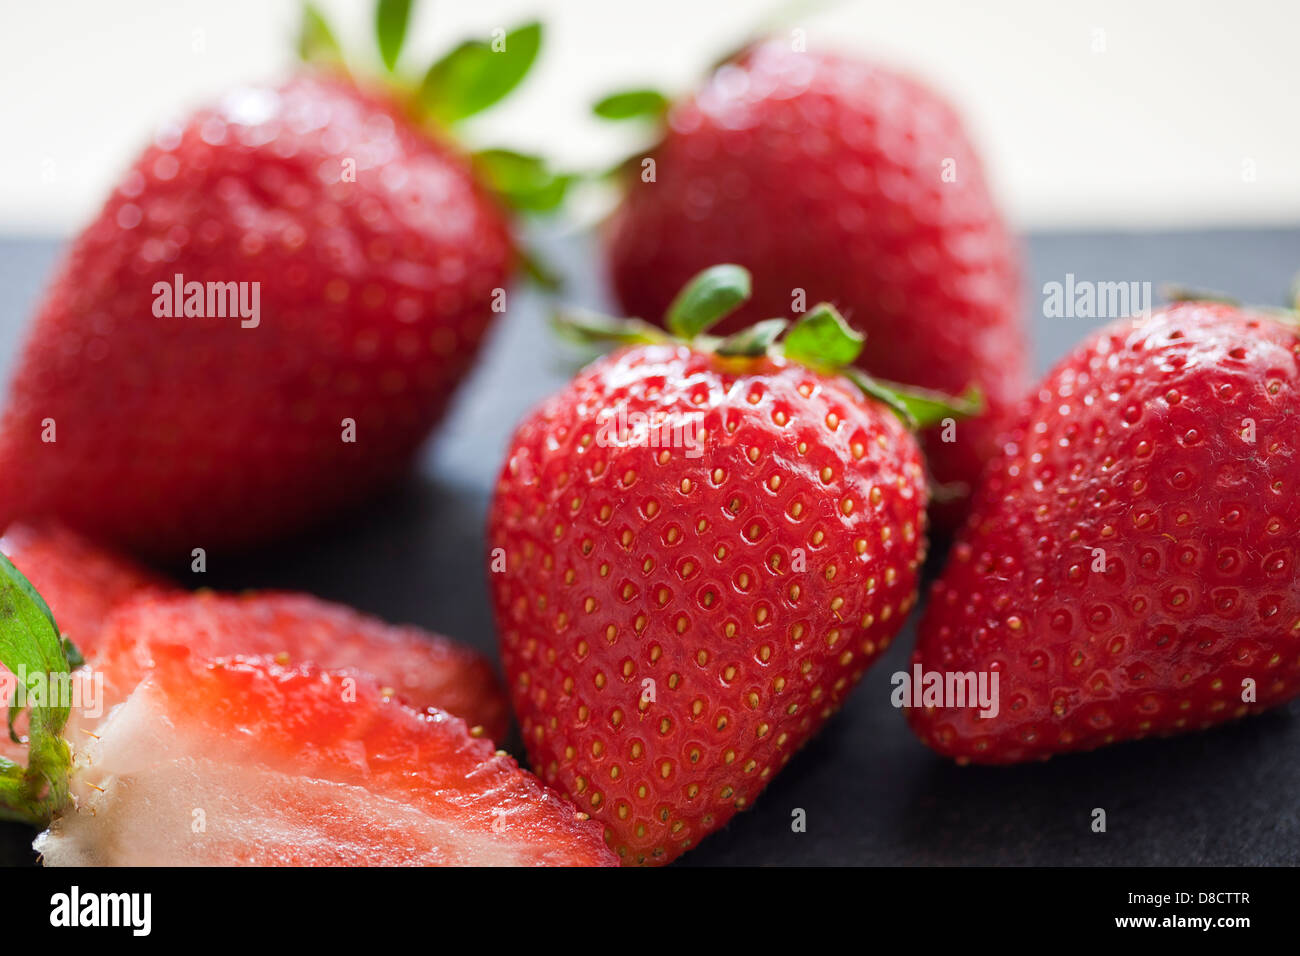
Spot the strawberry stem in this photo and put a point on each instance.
(707, 299)
(754, 341)
(473, 76)
(594, 328)
(632, 105)
(1288, 315)
(316, 41)
(1176, 292)
(391, 19)
(821, 340)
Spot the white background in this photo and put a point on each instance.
(1162, 128)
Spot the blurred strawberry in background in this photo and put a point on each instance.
(834, 179)
(273, 307)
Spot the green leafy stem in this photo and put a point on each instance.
(821, 340)
(472, 77)
(41, 662)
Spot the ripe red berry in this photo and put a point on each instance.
(696, 555)
(834, 179)
(423, 669)
(79, 580)
(1129, 568)
(81, 583)
(170, 432)
(299, 766)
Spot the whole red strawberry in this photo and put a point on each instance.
(831, 178)
(1129, 568)
(264, 321)
(697, 551)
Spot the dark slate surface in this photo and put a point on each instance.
(872, 794)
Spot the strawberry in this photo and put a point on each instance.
(424, 670)
(269, 313)
(113, 609)
(80, 580)
(1129, 568)
(244, 759)
(246, 762)
(699, 548)
(832, 178)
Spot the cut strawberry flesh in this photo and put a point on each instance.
(424, 669)
(247, 761)
(80, 581)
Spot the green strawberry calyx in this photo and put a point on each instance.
(638, 104)
(473, 76)
(1288, 315)
(40, 663)
(820, 340)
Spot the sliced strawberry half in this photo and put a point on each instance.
(248, 761)
(423, 668)
(80, 581)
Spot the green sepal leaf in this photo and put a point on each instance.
(709, 297)
(918, 408)
(1287, 315)
(73, 654)
(32, 594)
(594, 328)
(822, 339)
(316, 41)
(391, 20)
(753, 341)
(929, 408)
(882, 394)
(1182, 293)
(31, 648)
(538, 270)
(632, 104)
(474, 76)
(525, 182)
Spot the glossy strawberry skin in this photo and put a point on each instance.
(750, 585)
(825, 174)
(1134, 444)
(176, 433)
